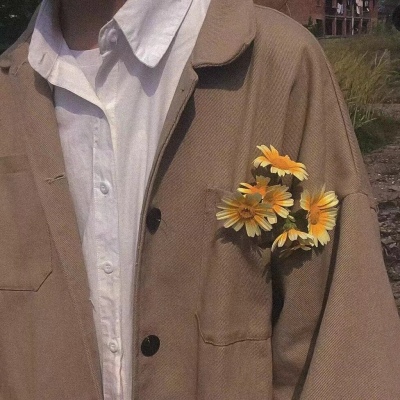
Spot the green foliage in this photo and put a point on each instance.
(363, 82)
(366, 72)
(378, 133)
(376, 42)
(314, 28)
(384, 27)
(309, 23)
(14, 17)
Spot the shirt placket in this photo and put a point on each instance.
(107, 238)
(106, 233)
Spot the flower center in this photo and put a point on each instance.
(247, 212)
(314, 215)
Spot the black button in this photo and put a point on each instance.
(150, 345)
(153, 219)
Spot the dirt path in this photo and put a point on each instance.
(383, 167)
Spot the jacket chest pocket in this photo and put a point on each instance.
(235, 293)
(25, 250)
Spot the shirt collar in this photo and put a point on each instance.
(228, 30)
(148, 25)
(50, 56)
(47, 40)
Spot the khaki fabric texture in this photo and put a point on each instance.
(234, 322)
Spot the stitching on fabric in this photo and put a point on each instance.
(51, 260)
(343, 119)
(250, 339)
(15, 70)
(372, 202)
(231, 60)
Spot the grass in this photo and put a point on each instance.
(372, 43)
(364, 82)
(368, 70)
(378, 133)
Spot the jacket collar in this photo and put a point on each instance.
(228, 29)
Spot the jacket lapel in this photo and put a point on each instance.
(228, 30)
(47, 163)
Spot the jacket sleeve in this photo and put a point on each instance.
(336, 332)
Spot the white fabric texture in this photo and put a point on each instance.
(111, 104)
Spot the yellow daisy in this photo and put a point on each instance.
(246, 211)
(280, 165)
(277, 195)
(321, 213)
(292, 234)
(260, 186)
(280, 198)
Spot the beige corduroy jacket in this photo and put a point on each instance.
(231, 322)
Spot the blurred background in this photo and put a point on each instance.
(14, 17)
(362, 43)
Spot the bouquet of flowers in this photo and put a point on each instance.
(265, 205)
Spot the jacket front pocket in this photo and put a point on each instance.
(25, 260)
(235, 292)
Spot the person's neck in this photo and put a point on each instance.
(81, 21)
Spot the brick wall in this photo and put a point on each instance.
(300, 10)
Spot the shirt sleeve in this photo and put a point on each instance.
(336, 332)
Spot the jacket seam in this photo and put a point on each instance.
(343, 121)
(360, 192)
(230, 342)
(222, 64)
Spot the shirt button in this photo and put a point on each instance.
(104, 188)
(113, 346)
(108, 268)
(112, 36)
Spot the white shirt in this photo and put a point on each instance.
(111, 104)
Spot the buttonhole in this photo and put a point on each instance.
(14, 71)
(57, 178)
